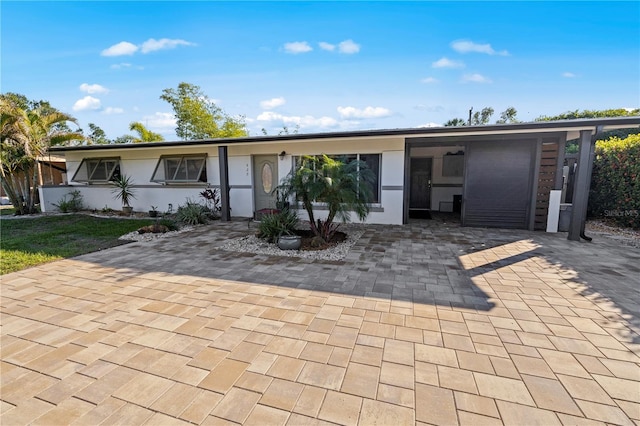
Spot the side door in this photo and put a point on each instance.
(420, 184)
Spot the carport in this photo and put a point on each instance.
(509, 171)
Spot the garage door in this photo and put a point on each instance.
(497, 187)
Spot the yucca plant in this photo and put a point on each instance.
(123, 189)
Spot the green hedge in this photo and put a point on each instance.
(615, 190)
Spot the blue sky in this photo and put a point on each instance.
(326, 66)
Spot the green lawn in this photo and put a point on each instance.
(30, 242)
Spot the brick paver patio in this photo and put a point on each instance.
(426, 323)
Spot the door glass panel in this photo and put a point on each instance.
(267, 178)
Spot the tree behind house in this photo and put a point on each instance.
(198, 117)
(144, 134)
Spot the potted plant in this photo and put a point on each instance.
(289, 241)
(279, 228)
(124, 191)
(154, 211)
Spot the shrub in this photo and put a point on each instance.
(72, 205)
(153, 229)
(192, 213)
(212, 201)
(272, 226)
(170, 224)
(615, 187)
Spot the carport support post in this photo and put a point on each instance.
(225, 213)
(581, 185)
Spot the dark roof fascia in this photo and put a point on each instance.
(422, 131)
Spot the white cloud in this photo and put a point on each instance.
(112, 110)
(368, 112)
(327, 46)
(348, 47)
(152, 44)
(475, 78)
(120, 66)
(429, 80)
(568, 75)
(93, 89)
(467, 46)
(272, 103)
(87, 103)
(269, 116)
(447, 63)
(120, 49)
(306, 121)
(430, 125)
(161, 121)
(429, 108)
(296, 47)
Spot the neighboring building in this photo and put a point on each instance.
(494, 175)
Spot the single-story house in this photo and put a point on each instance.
(494, 175)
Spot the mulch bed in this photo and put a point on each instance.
(307, 238)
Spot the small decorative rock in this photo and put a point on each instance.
(253, 244)
(150, 236)
(154, 229)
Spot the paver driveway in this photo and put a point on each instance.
(425, 323)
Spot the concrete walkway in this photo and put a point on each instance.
(426, 323)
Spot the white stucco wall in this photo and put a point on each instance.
(140, 163)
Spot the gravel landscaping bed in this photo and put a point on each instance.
(253, 244)
(150, 236)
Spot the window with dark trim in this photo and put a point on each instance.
(98, 170)
(373, 163)
(181, 169)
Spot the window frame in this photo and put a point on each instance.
(182, 158)
(90, 173)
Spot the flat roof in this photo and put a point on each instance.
(426, 132)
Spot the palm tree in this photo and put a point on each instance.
(343, 186)
(26, 135)
(144, 134)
